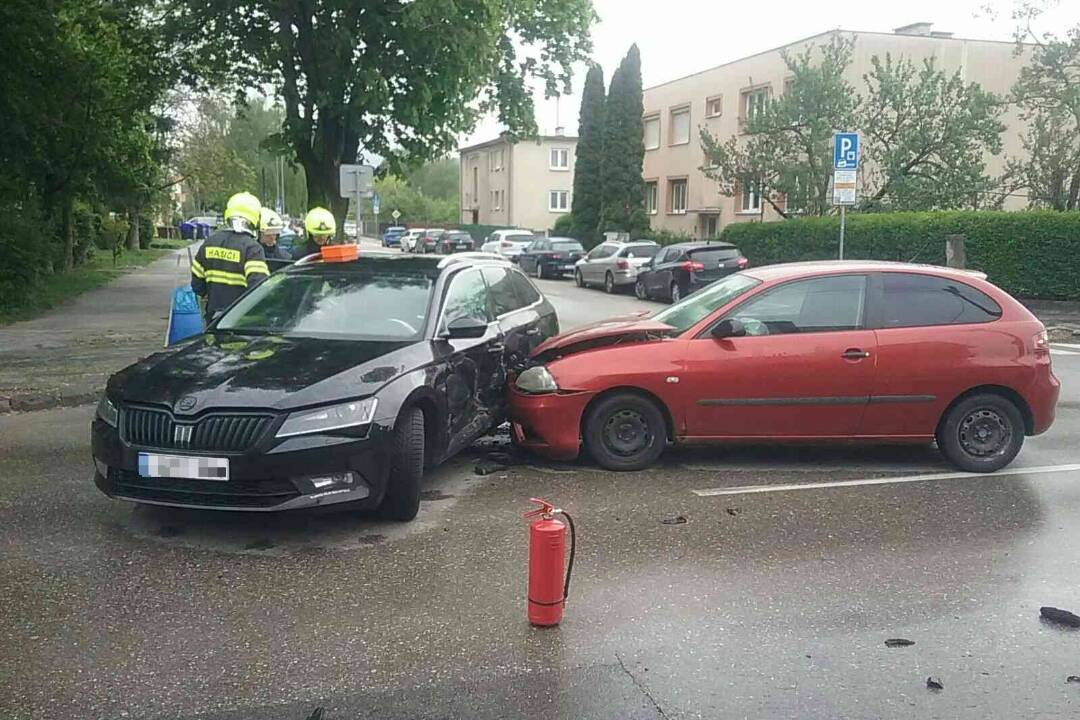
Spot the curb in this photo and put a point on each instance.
(1063, 333)
(33, 402)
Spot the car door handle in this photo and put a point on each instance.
(854, 354)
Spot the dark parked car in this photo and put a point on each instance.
(453, 241)
(678, 270)
(428, 241)
(551, 257)
(326, 383)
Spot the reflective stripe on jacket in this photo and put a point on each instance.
(226, 265)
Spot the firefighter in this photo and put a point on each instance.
(320, 226)
(231, 260)
(270, 226)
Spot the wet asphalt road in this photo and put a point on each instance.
(763, 605)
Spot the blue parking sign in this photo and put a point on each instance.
(846, 151)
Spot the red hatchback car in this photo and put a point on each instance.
(804, 352)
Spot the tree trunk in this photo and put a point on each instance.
(67, 230)
(323, 191)
(133, 230)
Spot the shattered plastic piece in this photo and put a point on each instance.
(486, 467)
(732, 511)
(934, 684)
(317, 713)
(1060, 616)
(898, 642)
(1073, 679)
(677, 520)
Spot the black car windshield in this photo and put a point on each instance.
(350, 305)
(567, 245)
(701, 304)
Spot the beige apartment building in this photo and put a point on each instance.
(518, 183)
(680, 198)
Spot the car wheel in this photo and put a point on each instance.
(981, 433)
(676, 292)
(402, 498)
(578, 279)
(639, 290)
(625, 432)
(609, 283)
(538, 272)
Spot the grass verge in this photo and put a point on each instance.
(60, 287)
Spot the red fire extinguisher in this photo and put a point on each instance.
(548, 589)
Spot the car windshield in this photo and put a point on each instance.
(352, 305)
(642, 251)
(567, 245)
(701, 304)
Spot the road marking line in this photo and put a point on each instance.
(1071, 346)
(754, 489)
(1055, 351)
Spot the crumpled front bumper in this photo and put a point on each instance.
(550, 424)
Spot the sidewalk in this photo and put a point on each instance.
(64, 357)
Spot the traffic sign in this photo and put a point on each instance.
(375, 202)
(844, 187)
(846, 151)
(395, 215)
(355, 180)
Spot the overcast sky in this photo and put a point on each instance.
(680, 37)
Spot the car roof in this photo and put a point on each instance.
(564, 239)
(630, 242)
(429, 265)
(513, 231)
(786, 271)
(701, 245)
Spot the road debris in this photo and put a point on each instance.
(1062, 617)
(1073, 679)
(898, 642)
(677, 520)
(934, 684)
(732, 511)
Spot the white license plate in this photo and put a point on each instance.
(152, 465)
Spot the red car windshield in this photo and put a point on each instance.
(703, 303)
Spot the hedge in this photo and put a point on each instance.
(1031, 254)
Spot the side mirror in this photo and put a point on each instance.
(728, 328)
(465, 327)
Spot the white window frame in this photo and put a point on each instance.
(652, 199)
(719, 99)
(750, 106)
(681, 110)
(754, 206)
(554, 154)
(559, 201)
(672, 183)
(644, 129)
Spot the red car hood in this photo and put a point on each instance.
(608, 332)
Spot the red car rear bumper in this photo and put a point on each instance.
(1042, 397)
(550, 425)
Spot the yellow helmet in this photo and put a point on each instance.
(244, 205)
(320, 221)
(270, 222)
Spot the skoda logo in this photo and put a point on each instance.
(186, 403)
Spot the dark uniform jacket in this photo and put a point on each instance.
(308, 248)
(226, 265)
(276, 252)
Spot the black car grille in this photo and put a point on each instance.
(203, 493)
(214, 433)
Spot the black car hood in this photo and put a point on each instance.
(232, 371)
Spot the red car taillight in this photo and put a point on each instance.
(743, 262)
(506, 244)
(622, 265)
(1041, 343)
(693, 266)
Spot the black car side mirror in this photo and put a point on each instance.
(728, 328)
(465, 327)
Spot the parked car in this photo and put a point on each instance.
(428, 240)
(551, 257)
(408, 240)
(614, 264)
(453, 241)
(391, 237)
(508, 243)
(820, 351)
(680, 269)
(327, 383)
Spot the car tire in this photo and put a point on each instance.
(401, 501)
(609, 283)
(676, 293)
(625, 431)
(579, 279)
(538, 273)
(639, 290)
(981, 433)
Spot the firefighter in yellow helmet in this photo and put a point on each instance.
(320, 227)
(231, 260)
(270, 226)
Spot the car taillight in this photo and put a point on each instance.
(622, 265)
(743, 262)
(506, 244)
(693, 266)
(1041, 343)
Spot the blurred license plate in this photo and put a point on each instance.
(462, 246)
(152, 465)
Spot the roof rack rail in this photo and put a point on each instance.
(461, 257)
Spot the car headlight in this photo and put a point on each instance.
(333, 417)
(107, 411)
(536, 380)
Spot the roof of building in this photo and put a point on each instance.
(510, 139)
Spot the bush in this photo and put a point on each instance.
(22, 262)
(564, 226)
(663, 237)
(1028, 254)
(480, 233)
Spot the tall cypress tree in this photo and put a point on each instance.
(588, 158)
(622, 189)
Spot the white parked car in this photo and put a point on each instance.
(508, 243)
(408, 240)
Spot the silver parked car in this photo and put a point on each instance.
(614, 264)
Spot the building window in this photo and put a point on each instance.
(750, 197)
(680, 126)
(495, 160)
(558, 201)
(559, 159)
(650, 197)
(714, 106)
(754, 103)
(496, 199)
(652, 132)
(677, 196)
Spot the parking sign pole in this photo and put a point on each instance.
(843, 216)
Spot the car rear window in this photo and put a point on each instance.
(520, 238)
(381, 304)
(714, 256)
(566, 245)
(640, 251)
(913, 300)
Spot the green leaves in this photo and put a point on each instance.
(621, 187)
(589, 157)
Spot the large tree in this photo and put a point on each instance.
(397, 79)
(621, 187)
(588, 159)
(785, 151)
(926, 135)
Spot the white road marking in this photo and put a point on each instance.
(1071, 346)
(1055, 351)
(753, 489)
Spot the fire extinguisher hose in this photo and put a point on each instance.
(573, 548)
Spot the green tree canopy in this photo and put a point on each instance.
(621, 187)
(588, 159)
